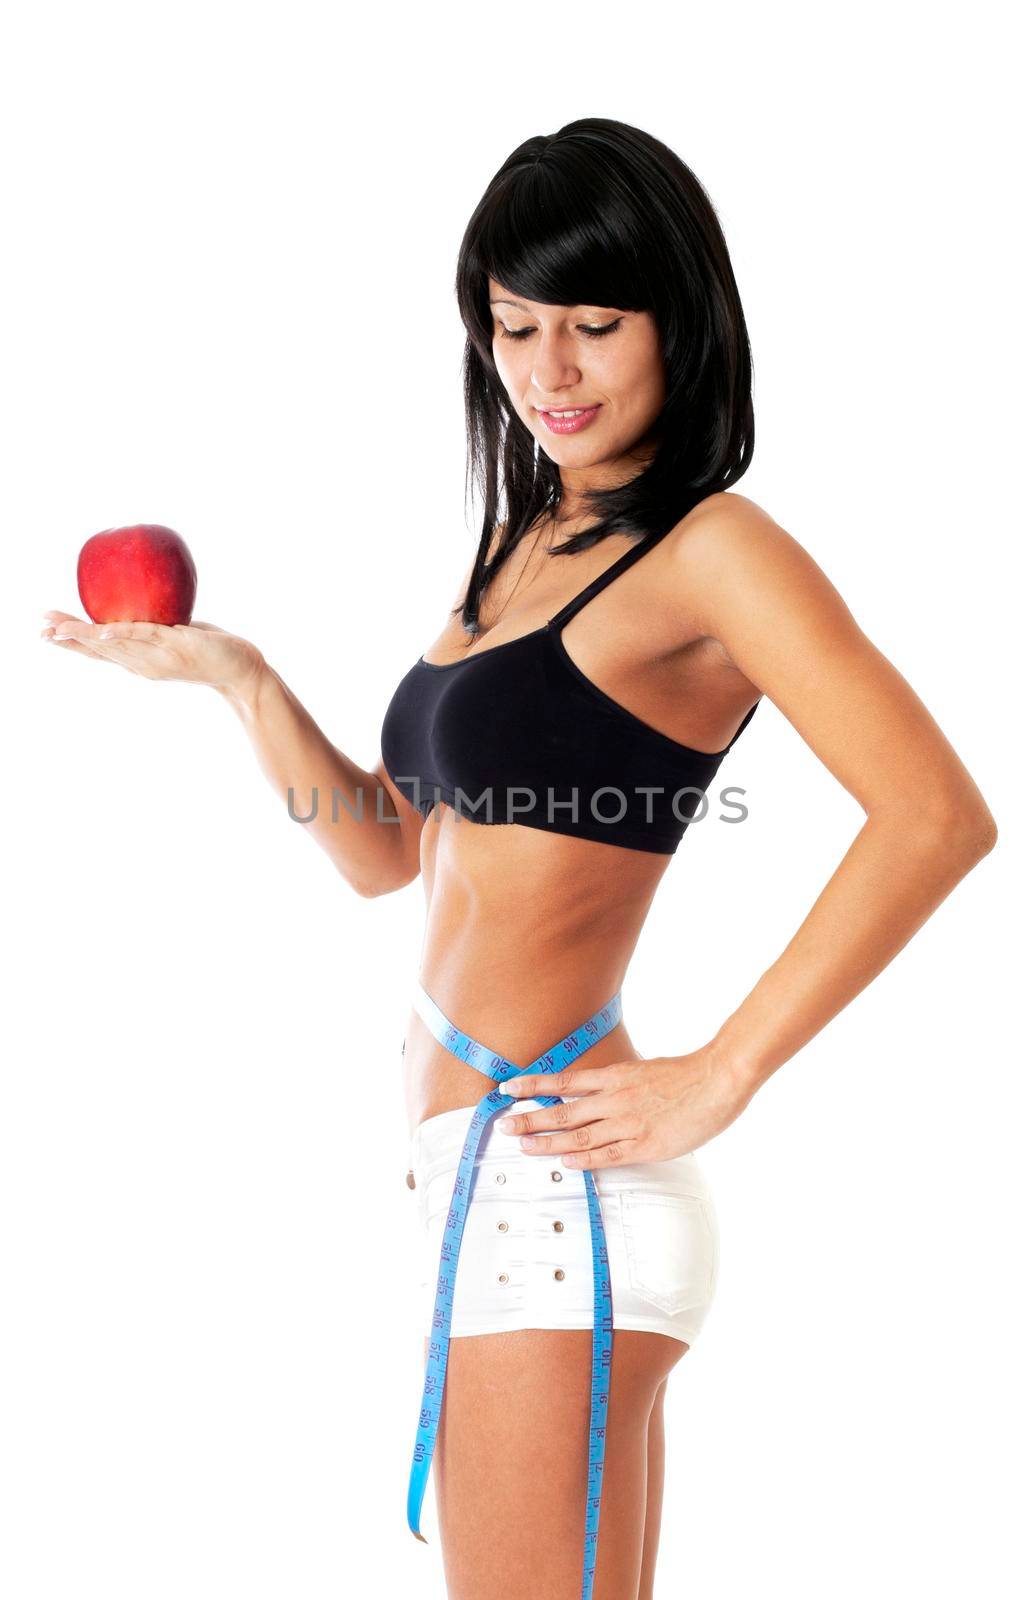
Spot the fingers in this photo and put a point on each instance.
(614, 1154)
(603, 1137)
(605, 1129)
(70, 628)
(111, 634)
(68, 640)
(593, 1131)
(573, 1080)
(133, 632)
(124, 643)
(590, 1108)
(62, 625)
(608, 1143)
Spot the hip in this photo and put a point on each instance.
(525, 1252)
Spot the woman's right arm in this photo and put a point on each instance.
(361, 821)
(370, 830)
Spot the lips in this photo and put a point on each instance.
(558, 424)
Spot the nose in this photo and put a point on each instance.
(554, 368)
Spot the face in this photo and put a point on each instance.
(560, 358)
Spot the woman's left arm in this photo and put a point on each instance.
(787, 629)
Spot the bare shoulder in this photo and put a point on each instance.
(733, 561)
(728, 530)
(754, 588)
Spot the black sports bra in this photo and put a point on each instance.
(516, 733)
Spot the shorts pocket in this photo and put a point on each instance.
(671, 1249)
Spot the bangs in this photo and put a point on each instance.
(546, 241)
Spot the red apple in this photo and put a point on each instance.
(139, 574)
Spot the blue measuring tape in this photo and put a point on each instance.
(500, 1069)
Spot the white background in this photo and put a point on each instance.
(230, 237)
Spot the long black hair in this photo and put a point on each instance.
(601, 213)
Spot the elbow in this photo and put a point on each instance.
(372, 890)
(371, 885)
(973, 826)
(982, 833)
(965, 830)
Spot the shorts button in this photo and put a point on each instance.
(558, 1227)
(502, 1226)
(501, 1177)
(557, 1176)
(559, 1273)
(502, 1278)
(410, 1180)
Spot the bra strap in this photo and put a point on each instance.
(615, 570)
(744, 723)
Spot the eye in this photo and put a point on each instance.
(594, 331)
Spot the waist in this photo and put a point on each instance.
(517, 1023)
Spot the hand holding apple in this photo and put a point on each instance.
(138, 586)
(195, 652)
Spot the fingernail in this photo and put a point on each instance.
(505, 1124)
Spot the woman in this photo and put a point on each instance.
(611, 639)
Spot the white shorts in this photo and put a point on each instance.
(526, 1254)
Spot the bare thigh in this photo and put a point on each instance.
(654, 1493)
(511, 1463)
